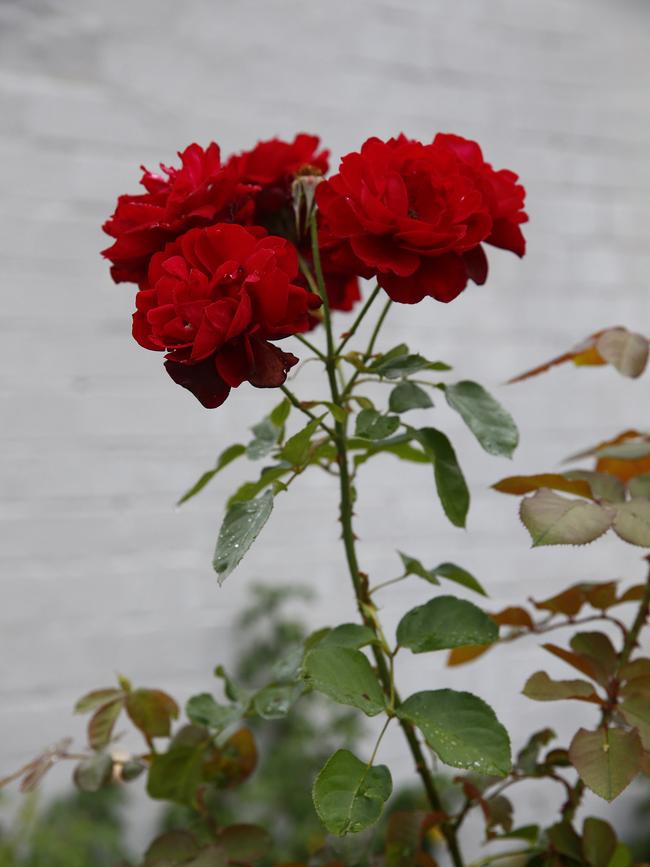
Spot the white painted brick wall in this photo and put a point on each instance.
(99, 572)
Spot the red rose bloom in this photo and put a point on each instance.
(414, 215)
(213, 300)
(270, 168)
(199, 193)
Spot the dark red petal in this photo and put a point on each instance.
(442, 278)
(270, 364)
(508, 236)
(202, 380)
(476, 264)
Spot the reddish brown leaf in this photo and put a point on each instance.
(102, 723)
(151, 711)
(573, 659)
(632, 594)
(235, 761)
(461, 655)
(519, 485)
(513, 616)
(567, 602)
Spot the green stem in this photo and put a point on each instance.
(371, 345)
(295, 402)
(357, 322)
(359, 580)
(310, 345)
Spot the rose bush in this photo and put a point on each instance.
(230, 258)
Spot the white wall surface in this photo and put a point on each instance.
(99, 572)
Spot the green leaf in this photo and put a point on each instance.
(176, 774)
(413, 566)
(296, 449)
(632, 521)
(349, 635)
(639, 487)
(280, 413)
(151, 711)
(348, 795)
(226, 457)
(93, 773)
(96, 698)
(636, 711)
(174, 846)
(554, 520)
(622, 857)
(598, 842)
(461, 728)
(374, 426)
(241, 526)
(203, 710)
(443, 623)
(528, 756)
(407, 395)
(266, 435)
(401, 366)
(346, 676)
(565, 840)
(451, 485)
(399, 446)
(452, 572)
(275, 701)
(540, 687)
(607, 759)
(490, 423)
(268, 477)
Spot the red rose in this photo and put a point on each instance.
(270, 168)
(414, 216)
(213, 300)
(199, 193)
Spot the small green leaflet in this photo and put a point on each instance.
(202, 709)
(374, 426)
(554, 520)
(450, 482)
(348, 795)
(269, 476)
(346, 676)
(241, 526)
(266, 435)
(348, 635)
(450, 571)
(461, 728)
(490, 423)
(226, 457)
(408, 395)
(401, 366)
(445, 622)
(296, 449)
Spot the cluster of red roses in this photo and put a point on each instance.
(213, 246)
